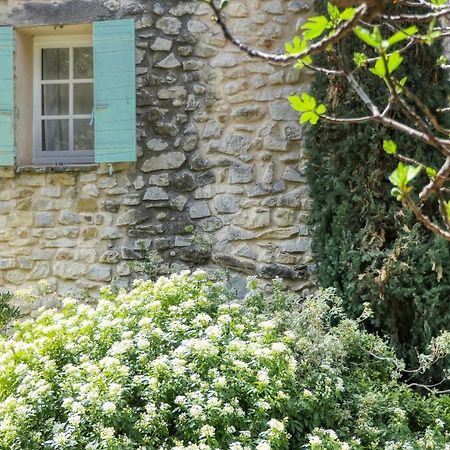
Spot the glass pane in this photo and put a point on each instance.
(83, 98)
(55, 99)
(83, 134)
(55, 64)
(55, 135)
(82, 62)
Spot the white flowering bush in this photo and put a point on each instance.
(174, 364)
(179, 364)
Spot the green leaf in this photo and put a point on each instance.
(315, 26)
(402, 175)
(307, 106)
(413, 172)
(347, 14)
(390, 147)
(397, 193)
(309, 101)
(309, 116)
(367, 37)
(447, 208)
(379, 69)
(333, 12)
(321, 109)
(431, 171)
(402, 35)
(442, 61)
(394, 61)
(296, 102)
(296, 46)
(399, 176)
(360, 59)
(303, 104)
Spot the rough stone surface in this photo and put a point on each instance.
(219, 180)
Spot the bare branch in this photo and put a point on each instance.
(430, 116)
(437, 182)
(313, 49)
(417, 18)
(346, 120)
(425, 220)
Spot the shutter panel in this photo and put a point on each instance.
(114, 91)
(7, 149)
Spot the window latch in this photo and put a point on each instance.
(97, 108)
(92, 117)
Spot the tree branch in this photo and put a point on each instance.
(313, 49)
(424, 219)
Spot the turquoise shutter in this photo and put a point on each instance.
(114, 91)
(7, 149)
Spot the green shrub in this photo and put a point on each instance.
(365, 244)
(180, 364)
(7, 312)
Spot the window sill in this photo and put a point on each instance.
(58, 169)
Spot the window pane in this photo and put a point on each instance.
(55, 64)
(82, 62)
(83, 134)
(55, 99)
(83, 101)
(55, 135)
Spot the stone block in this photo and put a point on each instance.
(170, 160)
(86, 204)
(69, 218)
(44, 220)
(99, 272)
(283, 217)
(155, 194)
(199, 210)
(40, 271)
(7, 263)
(69, 270)
(169, 25)
(300, 245)
(161, 45)
(110, 233)
(110, 257)
(226, 203)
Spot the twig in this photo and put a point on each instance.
(313, 49)
(416, 17)
(425, 219)
(437, 182)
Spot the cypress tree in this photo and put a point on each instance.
(365, 244)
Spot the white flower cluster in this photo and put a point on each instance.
(171, 365)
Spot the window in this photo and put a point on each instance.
(68, 94)
(63, 100)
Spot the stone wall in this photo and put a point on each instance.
(219, 179)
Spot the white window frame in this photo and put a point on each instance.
(57, 157)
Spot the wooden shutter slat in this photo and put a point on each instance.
(7, 148)
(115, 91)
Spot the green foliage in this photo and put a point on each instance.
(401, 177)
(307, 105)
(7, 312)
(390, 147)
(179, 364)
(365, 245)
(148, 264)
